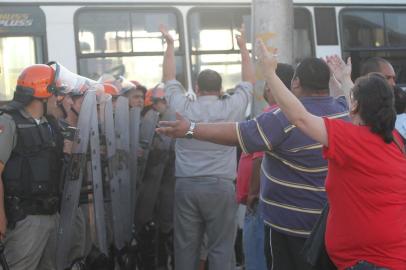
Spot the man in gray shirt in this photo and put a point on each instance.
(204, 194)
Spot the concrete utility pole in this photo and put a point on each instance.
(272, 21)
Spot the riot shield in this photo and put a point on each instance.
(73, 180)
(148, 125)
(97, 183)
(149, 187)
(122, 120)
(112, 177)
(135, 114)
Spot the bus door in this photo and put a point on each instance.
(368, 33)
(22, 36)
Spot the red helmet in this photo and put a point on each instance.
(111, 89)
(154, 94)
(37, 81)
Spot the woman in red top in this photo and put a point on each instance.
(366, 182)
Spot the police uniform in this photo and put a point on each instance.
(31, 152)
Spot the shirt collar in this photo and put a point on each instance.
(316, 99)
(208, 97)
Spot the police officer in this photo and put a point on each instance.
(154, 207)
(30, 163)
(134, 93)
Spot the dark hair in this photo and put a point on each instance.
(142, 88)
(209, 81)
(400, 99)
(139, 88)
(376, 104)
(285, 72)
(372, 65)
(314, 75)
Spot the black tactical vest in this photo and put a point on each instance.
(34, 167)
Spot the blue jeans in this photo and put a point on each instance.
(253, 241)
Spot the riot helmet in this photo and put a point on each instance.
(35, 82)
(154, 95)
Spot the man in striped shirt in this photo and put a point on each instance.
(293, 170)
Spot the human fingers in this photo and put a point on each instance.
(262, 50)
(242, 28)
(167, 131)
(349, 61)
(168, 123)
(162, 29)
(338, 60)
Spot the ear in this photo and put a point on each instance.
(354, 107)
(295, 83)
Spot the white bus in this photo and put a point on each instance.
(92, 37)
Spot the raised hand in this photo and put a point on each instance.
(268, 61)
(174, 129)
(241, 39)
(340, 69)
(165, 34)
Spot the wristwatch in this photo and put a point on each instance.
(191, 131)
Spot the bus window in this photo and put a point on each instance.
(15, 54)
(213, 45)
(145, 69)
(212, 42)
(109, 39)
(370, 33)
(303, 45)
(104, 32)
(22, 32)
(395, 27)
(326, 26)
(363, 29)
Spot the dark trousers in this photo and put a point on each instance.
(267, 246)
(286, 251)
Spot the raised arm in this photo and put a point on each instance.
(169, 64)
(219, 133)
(247, 69)
(313, 126)
(341, 71)
(335, 87)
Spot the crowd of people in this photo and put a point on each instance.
(327, 140)
(323, 142)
